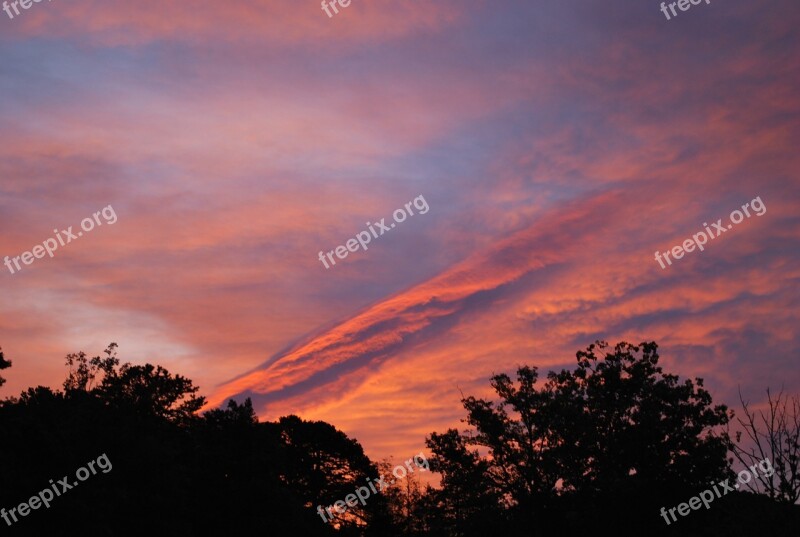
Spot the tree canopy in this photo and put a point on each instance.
(604, 444)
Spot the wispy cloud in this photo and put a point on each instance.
(558, 146)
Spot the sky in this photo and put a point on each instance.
(557, 146)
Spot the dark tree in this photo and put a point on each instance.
(323, 465)
(470, 499)
(615, 427)
(153, 391)
(605, 445)
(774, 436)
(404, 502)
(83, 371)
(175, 472)
(630, 420)
(4, 364)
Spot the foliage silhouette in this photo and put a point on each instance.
(4, 364)
(774, 434)
(604, 445)
(175, 472)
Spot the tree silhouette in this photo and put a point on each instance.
(174, 471)
(4, 364)
(404, 501)
(616, 426)
(775, 436)
(83, 371)
(470, 495)
(604, 445)
(633, 421)
(152, 391)
(325, 466)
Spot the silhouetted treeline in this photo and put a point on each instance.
(603, 446)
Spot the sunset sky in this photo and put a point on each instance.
(557, 144)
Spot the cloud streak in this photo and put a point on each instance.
(558, 146)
